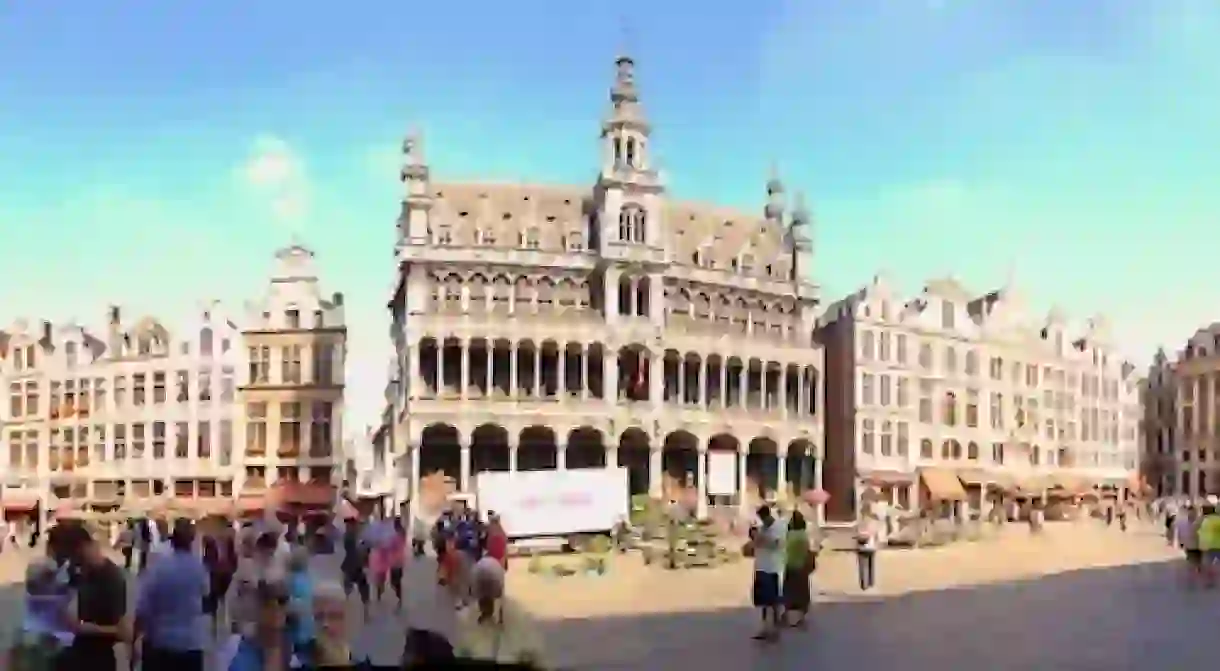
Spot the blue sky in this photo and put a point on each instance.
(1074, 142)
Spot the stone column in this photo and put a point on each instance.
(655, 378)
(561, 456)
(654, 471)
(610, 377)
(743, 503)
(584, 372)
(743, 386)
(411, 384)
(512, 369)
(440, 367)
(610, 295)
(512, 454)
(681, 381)
(464, 480)
(561, 368)
(490, 378)
(413, 484)
(724, 383)
(781, 476)
(537, 385)
(612, 456)
(701, 480)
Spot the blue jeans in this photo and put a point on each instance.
(866, 568)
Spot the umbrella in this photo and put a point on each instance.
(815, 497)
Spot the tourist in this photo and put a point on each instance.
(799, 564)
(767, 546)
(300, 588)
(220, 560)
(866, 553)
(1186, 530)
(397, 559)
(381, 541)
(125, 543)
(169, 606)
(259, 567)
(353, 565)
(496, 543)
(144, 538)
(1171, 513)
(494, 628)
(44, 633)
(265, 646)
(1209, 543)
(329, 647)
(101, 605)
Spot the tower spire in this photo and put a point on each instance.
(774, 210)
(416, 188)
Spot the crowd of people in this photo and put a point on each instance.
(1194, 526)
(245, 597)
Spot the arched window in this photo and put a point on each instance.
(205, 341)
(640, 226)
(618, 152)
(624, 225)
(950, 409)
(631, 152)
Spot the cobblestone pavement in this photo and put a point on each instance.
(1128, 613)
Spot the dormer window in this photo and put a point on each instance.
(531, 238)
(947, 315)
(443, 237)
(485, 237)
(746, 264)
(70, 354)
(575, 242)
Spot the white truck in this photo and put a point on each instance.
(555, 504)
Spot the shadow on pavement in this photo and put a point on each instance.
(1130, 617)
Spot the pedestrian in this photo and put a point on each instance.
(220, 560)
(1122, 517)
(767, 547)
(144, 539)
(799, 565)
(496, 543)
(266, 645)
(398, 559)
(300, 599)
(257, 568)
(354, 564)
(44, 633)
(1171, 513)
(101, 606)
(495, 628)
(866, 553)
(1209, 544)
(379, 558)
(1186, 529)
(126, 542)
(330, 647)
(170, 604)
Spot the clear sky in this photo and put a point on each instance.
(154, 153)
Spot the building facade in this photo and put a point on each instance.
(135, 409)
(949, 394)
(1159, 464)
(291, 395)
(1193, 465)
(552, 327)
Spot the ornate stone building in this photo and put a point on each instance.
(941, 396)
(136, 409)
(1159, 461)
(552, 327)
(1191, 466)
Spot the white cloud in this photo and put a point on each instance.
(276, 173)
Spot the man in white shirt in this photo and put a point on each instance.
(767, 540)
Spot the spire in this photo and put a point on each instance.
(774, 209)
(800, 217)
(413, 165)
(625, 108)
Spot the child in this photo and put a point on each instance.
(44, 631)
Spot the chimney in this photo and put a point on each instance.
(337, 299)
(46, 330)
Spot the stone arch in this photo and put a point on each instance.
(451, 367)
(478, 373)
(523, 294)
(477, 288)
(800, 467)
(713, 364)
(633, 454)
(926, 449)
(680, 465)
(537, 449)
(427, 353)
(762, 468)
(692, 376)
(501, 294)
(634, 374)
(671, 365)
(586, 448)
(595, 361)
(548, 368)
(440, 450)
(734, 376)
(526, 382)
(489, 448)
(502, 384)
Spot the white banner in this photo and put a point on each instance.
(721, 473)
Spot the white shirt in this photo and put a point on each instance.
(1187, 532)
(770, 559)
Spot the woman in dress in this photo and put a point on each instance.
(798, 568)
(397, 558)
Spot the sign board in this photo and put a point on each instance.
(555, 503)
(721, 473)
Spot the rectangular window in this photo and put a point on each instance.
(260, 365)
(137, 388)
(290, 429)
(900, 348)
(227, 386)
(184, 386)
(159, 387)
(321, 443)
(323, 365)
(137, 441)
(291, 364)
(16, 401)
(866, 389)
(203, 447)
(158, 440)
(256, 429)
(226, 442)
(292, 319)
(182, 440)
(120, 442)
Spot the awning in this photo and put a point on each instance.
(1032, 485)
(943, 485)
(1005, 482)
(887, 477)
(1069, 483)
(309, 494)
(974, 477)
(19, 503)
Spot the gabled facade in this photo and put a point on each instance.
(1191, 454)
(971, 389)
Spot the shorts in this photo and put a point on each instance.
(1194, 557)
(766, 590)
